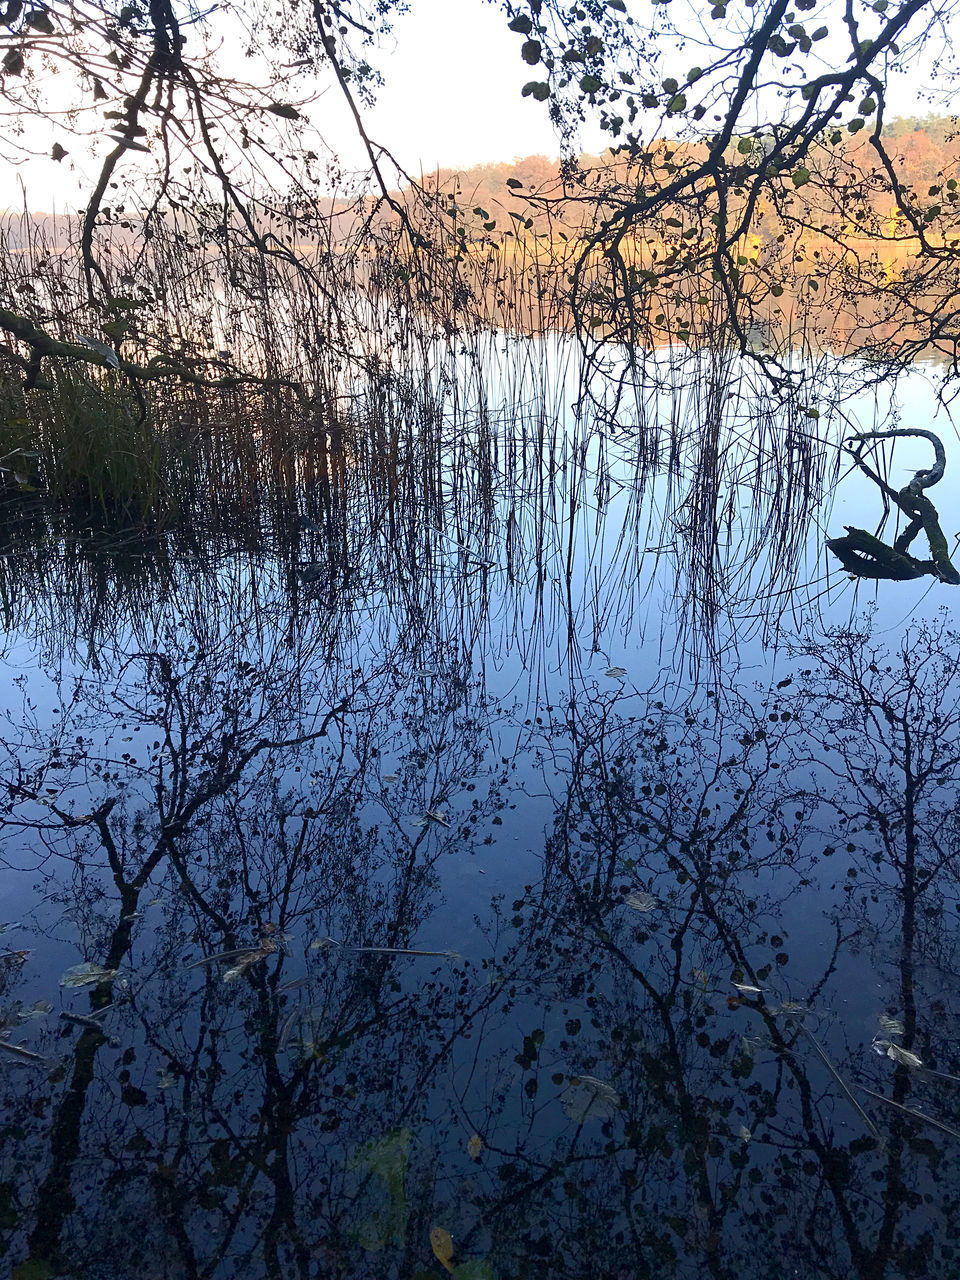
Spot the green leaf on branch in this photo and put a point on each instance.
(537, 89)
(800, 177)
(531, 52)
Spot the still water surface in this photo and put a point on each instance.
(487, 893)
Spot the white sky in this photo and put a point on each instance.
(452, 97)
(452, 92)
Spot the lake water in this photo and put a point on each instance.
(552, 879)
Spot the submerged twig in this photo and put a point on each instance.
(27, 1055)
(844, 1087)
(909, 1111)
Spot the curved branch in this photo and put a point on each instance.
(864, 555)
(43, 345)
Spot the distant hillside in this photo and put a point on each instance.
(923, 150)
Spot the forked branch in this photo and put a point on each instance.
(864, 555)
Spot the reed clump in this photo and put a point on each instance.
(96, 446)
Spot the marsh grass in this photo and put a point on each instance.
(96, 448)
(444, 422)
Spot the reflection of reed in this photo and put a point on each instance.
(468, 500)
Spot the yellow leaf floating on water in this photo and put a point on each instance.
(441, 1242)
(474, 1147)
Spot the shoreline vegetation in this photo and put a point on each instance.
(253, 376)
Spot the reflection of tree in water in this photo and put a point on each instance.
(660, 936)
(236, 819)
(645, 1076)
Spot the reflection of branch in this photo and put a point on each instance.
(864, 555)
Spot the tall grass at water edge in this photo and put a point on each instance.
(392, 421)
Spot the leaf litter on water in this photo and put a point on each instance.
(320, 944)
(751, 1044)
(588, 1098)
(641, 901)
(87, 975)
(244, 957)
(433, 815)
(903, 1057)
(244, 962)
(890, 1026)
(38, 1010)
